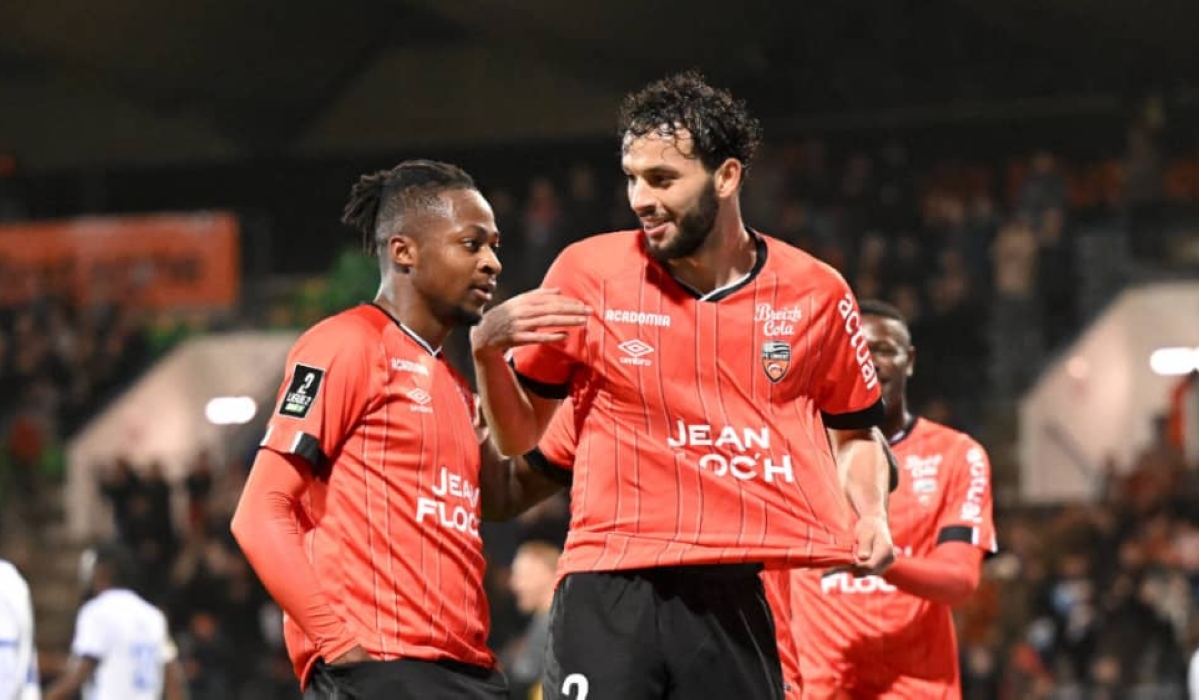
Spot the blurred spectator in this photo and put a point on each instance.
(1044, 188)
(1143, 194)
(199, 489)
(534, 571)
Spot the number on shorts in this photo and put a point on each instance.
(576, 681)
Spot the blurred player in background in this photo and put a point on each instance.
(122, 649)
(892, 636)
(534, 571)
(361, 514)
(18, 656)
(712, 360)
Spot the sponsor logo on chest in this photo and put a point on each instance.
(399, 364)
(923, 476)
(778, 322)
(637, 318)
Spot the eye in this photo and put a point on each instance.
(472, 244)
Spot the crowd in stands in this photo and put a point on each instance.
(1098, 595)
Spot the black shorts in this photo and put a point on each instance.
(405, 679)
(662, 634)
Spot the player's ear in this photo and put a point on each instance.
(727, 178)
(403, 252)
(911, 360)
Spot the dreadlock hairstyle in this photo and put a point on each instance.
(720, 126)
(380, 200)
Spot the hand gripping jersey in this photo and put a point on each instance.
(560, 439)
(863, 634)
(702, 431)
(388, 427)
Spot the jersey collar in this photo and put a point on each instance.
(904, 432)
(435, 352)
(722, 292)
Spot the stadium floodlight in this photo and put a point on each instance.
(1172, 362)
(230, 410)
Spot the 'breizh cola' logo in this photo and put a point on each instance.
(776, 359)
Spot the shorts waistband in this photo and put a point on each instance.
(707, 572)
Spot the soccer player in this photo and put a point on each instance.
(711, 362)
(554, 459)
(122, 649)
(892, 636)
(361, 514)
(18, 656)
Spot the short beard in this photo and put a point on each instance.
(694, 228)
(463, 317)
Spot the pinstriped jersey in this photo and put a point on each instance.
(701, 418)
(388, 427)
(561, 438)
(863, 633)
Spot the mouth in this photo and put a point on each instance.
(655, 229)
(484, 291)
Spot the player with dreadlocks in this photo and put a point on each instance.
(361, 514)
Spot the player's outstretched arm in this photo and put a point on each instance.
(947, 576)
(266, 527)
(518, 417)
(865, 474)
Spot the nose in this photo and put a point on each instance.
(491, 262)
(641, 199)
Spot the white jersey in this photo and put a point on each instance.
(18, 659)
(128, 637)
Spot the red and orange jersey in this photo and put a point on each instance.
(558, 449)
(863, 634)
(701, 418)
(393, 514)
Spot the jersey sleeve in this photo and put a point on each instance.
(168, 652)
(967, 513)
(90, 637)
(327, 387)
(847, 389)
(546, 369)
(554, 456)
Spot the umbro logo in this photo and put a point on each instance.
(635, 350)
(420, 399)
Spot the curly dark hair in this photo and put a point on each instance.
(720, 126)
(379, 201)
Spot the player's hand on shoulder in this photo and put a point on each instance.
(537, 316)
(353, 656)
(873, 549)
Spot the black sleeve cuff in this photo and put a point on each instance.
(867, 418)
(956, 533)
(308, 448)
(541, 464)
(542, 389)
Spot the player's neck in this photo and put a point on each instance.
(728, 255)
(897, 420)
(409, 310)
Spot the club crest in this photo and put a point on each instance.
(776, 359)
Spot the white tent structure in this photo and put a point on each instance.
(169, 416)
(1096, 402)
